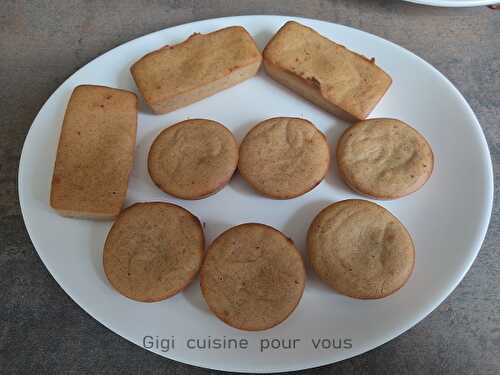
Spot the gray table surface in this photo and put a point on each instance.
(41, 43)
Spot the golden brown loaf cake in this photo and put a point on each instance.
(204, 64)
(284, 157)
(95, 153)
(360, 249)
(326, 73)
(153, 251)
(252, 277)
(384, 158)
(193, 159)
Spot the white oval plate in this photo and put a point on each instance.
(455, 3)
(448, 218)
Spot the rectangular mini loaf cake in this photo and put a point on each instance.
(95, 153)
(204, 64)
(326, 73)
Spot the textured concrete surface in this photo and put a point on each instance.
(42, 43)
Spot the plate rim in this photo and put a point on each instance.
(454, 3)
(382, 339)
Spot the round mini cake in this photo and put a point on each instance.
(284, 157)
(153, 251)
(384, 158)
(193, 159)
(360, 249)
(252, 277)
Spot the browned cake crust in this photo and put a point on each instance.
(384, 158)
(204, 64)
(340, 81)
(153, 251)
(95, 153)
(360, 249)
(284, 157)
(193, 159)
(252, 277)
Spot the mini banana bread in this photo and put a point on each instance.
(329, 75)
(95, 153)
(204, 64)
